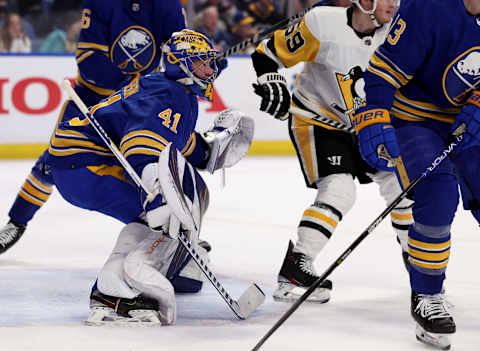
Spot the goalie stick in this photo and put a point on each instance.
(458, 133)
(251, 298)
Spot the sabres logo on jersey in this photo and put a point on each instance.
(134, 49)
(462, 76)
(352, 87)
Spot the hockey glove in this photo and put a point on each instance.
(272, 88)
(229, 140)
(468, 122)
(376, 136)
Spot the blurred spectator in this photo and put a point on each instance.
(13, 37)
(210, 27)
(65, 5)
(222, 5)
(339, 3)
(64, 39)
(3, 10)
(242, 29)
(264, 12)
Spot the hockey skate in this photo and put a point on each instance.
(296, 276)
(111, 310)
(434, 322)
(10, 234)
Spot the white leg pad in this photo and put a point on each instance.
(110, 278)
(142, 270)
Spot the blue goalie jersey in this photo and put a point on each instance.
(141, 119)
(429, 63)
(122, 38)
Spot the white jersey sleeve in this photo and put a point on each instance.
(334, 56)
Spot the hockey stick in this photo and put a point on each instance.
(263, 34)
(365, 233)
(319, 118)
(251, 298)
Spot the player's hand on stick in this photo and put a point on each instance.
(468, 122)
(272, 88)
(376, 136)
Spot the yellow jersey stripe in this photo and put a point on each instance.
(428, 246)
(94, 88)
(378, 63)
(143, 151)
(39, 185)
(429, 256)
(114, 171)
(34, 192)
(321, 217)
(30, 199)
(87, 45)
(401, 217)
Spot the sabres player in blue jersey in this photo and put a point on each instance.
(422, 84)
(148, 118)
(118, 40)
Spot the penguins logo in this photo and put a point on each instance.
(462, 76)
(352, 88)
(134, 49)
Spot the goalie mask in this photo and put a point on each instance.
(189, 58)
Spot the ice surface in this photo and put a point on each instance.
(45, 279)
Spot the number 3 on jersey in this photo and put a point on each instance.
(165, 115)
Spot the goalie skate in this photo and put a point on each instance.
(296, 276)
(434, 322)
(111, 310)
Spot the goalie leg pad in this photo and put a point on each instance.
(145, 267)
(110, 278)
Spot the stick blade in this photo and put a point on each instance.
(250, 300)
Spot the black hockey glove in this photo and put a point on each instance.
(272, 88)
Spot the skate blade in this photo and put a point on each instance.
(102, 316)
(440, 341)
(291, 293)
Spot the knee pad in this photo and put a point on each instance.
(335, 197)
(337, 191)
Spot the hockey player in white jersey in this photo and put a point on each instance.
(335, 44)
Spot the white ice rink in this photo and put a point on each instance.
(46, 278)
